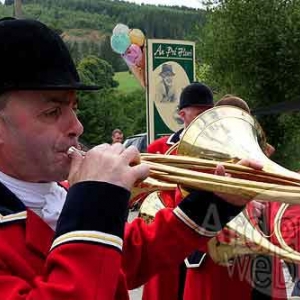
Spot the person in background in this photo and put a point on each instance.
(75, 245)
(194, 100)
(235, 101)
(117, 136)
(244, 278)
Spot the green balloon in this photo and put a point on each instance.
(120, 42)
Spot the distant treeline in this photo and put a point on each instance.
(159, 22)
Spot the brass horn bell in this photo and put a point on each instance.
(228, 134)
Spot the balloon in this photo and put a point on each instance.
(128, 43)
(120, 42)
(121, 28)
(137, 37)
(134, 58)
(133, 55)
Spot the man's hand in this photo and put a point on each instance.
(108, 163)
(235, 200)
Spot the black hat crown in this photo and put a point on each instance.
(166, 69)
(33, 57)
(196, 94)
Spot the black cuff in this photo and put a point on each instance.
(208, 211)
(94, 206)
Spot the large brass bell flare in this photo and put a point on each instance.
(225, 134)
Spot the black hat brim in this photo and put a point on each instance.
(167, 73)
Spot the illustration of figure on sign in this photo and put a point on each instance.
(169, 78)
(165, 90)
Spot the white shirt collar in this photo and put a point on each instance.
(45, 199)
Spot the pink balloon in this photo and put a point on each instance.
(133, 55)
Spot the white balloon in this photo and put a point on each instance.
(121, 28)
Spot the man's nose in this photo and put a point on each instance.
(75, 128)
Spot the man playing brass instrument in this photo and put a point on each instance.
(75, 245)
(209, 281)
(194, 100)
(245, 278)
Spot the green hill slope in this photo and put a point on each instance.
(127, 82)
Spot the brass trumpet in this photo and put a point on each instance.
(214, 137)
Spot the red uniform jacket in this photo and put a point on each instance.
(85, 258)
(213, 282)
(161, 145)
(165, 284)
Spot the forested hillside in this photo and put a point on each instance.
(87, 24)
(159, 22)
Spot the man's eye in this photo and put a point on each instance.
(55, 112)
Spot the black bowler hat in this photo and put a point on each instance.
(196, 94)
(33, 57)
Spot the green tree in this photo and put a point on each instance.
(252, 48)
(110, 56)
(97, 71)
(95, 109)
(102, 111)
(130, 113)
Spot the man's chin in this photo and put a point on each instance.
(61, 173)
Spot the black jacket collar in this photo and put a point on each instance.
(9, 203)
(175, 137)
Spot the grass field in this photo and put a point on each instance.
(127, 82)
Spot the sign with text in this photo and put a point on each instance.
(170, 67)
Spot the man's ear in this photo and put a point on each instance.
(181, 114)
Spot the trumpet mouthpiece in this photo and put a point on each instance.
(72, 149)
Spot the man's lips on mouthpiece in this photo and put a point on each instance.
(73, 149)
